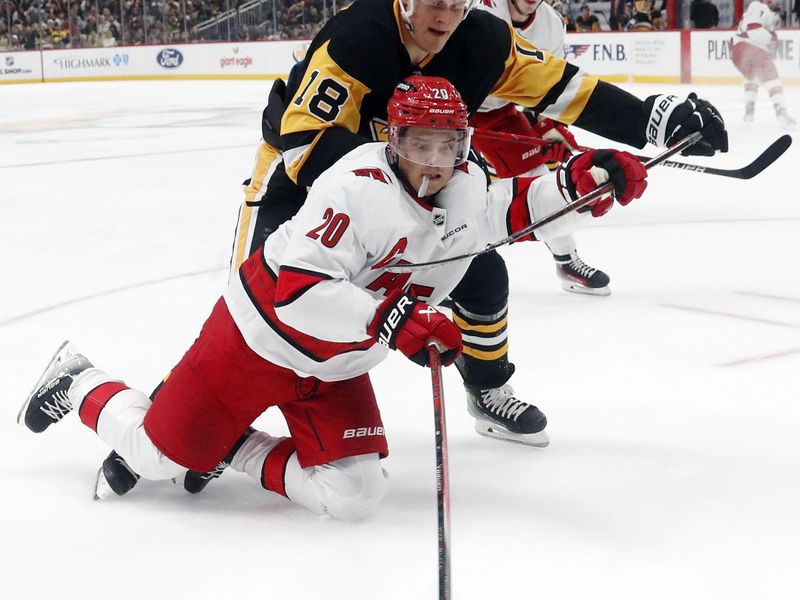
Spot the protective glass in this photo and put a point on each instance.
(430, 146)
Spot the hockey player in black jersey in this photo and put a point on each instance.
(336, 100)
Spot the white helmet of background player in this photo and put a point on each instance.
(407, 8)
(525, 7)
(429, 133)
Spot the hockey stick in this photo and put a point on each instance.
(774, 151)
(442, 471)
(505, 136)
(572, 206)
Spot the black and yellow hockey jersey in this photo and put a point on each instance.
(337, 97)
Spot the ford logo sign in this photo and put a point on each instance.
(169, 58)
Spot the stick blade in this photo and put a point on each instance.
(769, 156)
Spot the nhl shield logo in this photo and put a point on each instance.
(438, 220)
(9, 61)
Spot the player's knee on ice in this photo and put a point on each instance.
(347, 489)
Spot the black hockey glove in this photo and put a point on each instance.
(670, 119)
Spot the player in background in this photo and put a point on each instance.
(542, 26)
(306, 317)
(754, 44)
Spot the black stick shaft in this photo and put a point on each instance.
(761, 162)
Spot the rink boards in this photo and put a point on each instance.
(641, 57)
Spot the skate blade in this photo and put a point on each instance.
(537, 440)
(102, 489)
(577, 288)
(39, 383)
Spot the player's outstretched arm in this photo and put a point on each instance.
(662, 120)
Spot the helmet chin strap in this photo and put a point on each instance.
(406, 14)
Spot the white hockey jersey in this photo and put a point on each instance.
(757, 26)
(544, 29)
(306, 302)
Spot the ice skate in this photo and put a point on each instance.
(578, 277)
(115, 476)
(784, 120)
(499, 414)
(749, 112)
(48, 402)
(195, 482)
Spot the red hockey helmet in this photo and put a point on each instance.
(418, 108)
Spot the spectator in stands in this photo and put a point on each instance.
(616, 11)
(30, 38)
(704, 14)
(108, 39)
(586, 21)
(641, 19)
(620, 21)
(563, 13)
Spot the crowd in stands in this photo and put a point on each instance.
(623, 15)
(42, 24)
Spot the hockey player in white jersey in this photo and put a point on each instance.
(540, 24)
(754, 43)
(306, 318)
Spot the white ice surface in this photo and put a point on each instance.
(674, 405)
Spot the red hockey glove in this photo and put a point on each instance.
(562, 141)
(547, 129)
(555, 152)
(585, 172)
(406, 324)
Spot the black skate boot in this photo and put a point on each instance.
(114, 476)
(500, 414)
(195, 482)
(576, 276)
(48, 403)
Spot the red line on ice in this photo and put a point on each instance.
(732, 316)
(124, 288)
(769, 296)
(745, 361)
